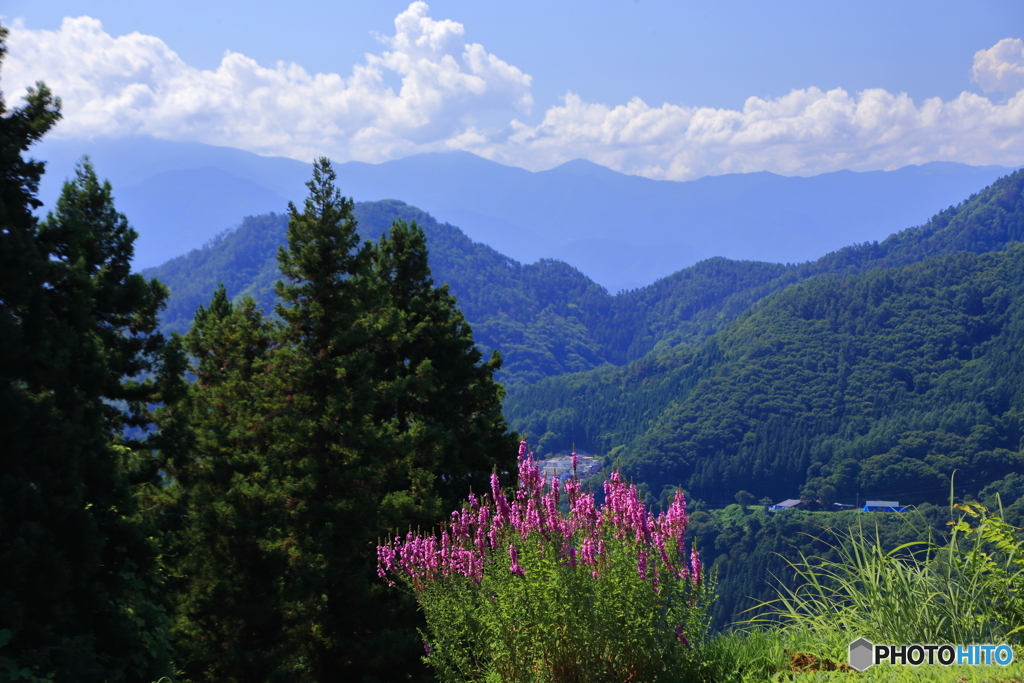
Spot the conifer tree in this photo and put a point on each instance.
(364, 409)
(227, 625)
(335, 460)
(26, 543)
(445, 406)
(77, 331)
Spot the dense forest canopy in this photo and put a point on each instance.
(546, 318)
(222, 528)
(79, 578)
(869, 376)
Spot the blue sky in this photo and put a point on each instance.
(654, 87)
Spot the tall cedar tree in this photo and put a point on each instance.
(77, 595)
(369, 357)
(444, 407)
(370, 411)
(227, 620)
(331, 458)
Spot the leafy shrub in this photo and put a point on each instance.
(534, 588)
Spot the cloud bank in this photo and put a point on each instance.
(1001, 67)
(136, 84)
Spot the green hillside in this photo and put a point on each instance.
(870, 378)
(546, 318)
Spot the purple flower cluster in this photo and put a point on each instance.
(484, 529)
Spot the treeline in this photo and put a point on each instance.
(79, 573)
(222, 529)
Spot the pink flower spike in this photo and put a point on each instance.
(514, 555)
(386, 561)
(500, 502)
(495, 530)
(481, 530)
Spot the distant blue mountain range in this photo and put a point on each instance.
(623, 231)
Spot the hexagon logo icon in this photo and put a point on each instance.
(861, 654)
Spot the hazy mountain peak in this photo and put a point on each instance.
(583, 167)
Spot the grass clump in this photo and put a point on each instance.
(966, 590)
(769, 654)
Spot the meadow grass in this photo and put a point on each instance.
(777, 654)
(966, 590)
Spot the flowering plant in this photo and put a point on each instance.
(538, 587)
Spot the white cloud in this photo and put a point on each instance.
(136, 84)
(803, 133)
(1001, 67)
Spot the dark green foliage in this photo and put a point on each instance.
(877, 381)
(78, 592)
(363, 409)
(227, 550)
(546, 318)
(443, 405)
(745, 498)
(904, 375)
(330, 462)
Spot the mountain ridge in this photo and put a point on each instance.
(548, 318)
(623, 231)
(875, 371)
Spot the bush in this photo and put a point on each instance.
(540, 589)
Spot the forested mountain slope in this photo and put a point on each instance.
(870, 377)
(546, 318)
(490, 288)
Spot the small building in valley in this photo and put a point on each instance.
(883, 506)
(561, 466)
